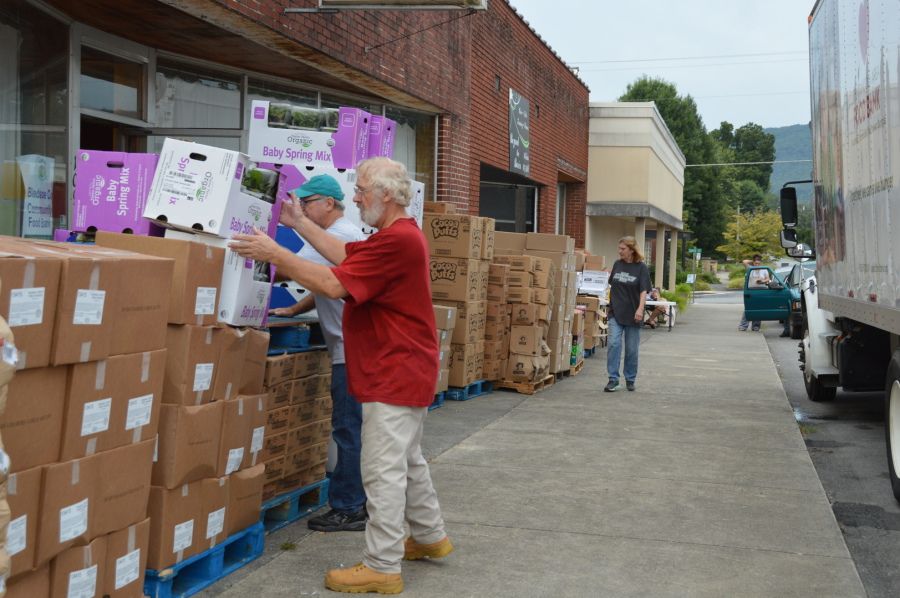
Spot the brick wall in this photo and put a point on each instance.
(451, 61)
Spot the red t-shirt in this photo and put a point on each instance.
(390, 342)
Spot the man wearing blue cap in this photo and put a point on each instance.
(322, 201)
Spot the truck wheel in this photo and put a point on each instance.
(892, 422)
(815, 390)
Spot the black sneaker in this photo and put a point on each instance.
(339, 521)
(629, 385)
(612, 386)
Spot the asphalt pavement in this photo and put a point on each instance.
(699, 483)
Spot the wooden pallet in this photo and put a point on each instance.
(576, 369)
(526, 388)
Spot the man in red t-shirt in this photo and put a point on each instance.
(392, 364)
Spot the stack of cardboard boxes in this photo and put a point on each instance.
(297, 421)
(129, 401)
(8, 357)
(461, 247)
(594, 318)
(82, 414)
(497, 322)
(445, 322)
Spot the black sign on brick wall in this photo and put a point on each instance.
(519, 136)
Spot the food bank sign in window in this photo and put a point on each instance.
(519, 137)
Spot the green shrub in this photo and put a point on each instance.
(679, 299)
(736, 272)
(708, 277)
(701, 285)
(736, 283)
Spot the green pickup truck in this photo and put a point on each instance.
(777, 300)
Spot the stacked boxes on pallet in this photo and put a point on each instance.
(560, 250)
(298, 420)
(7, 367)
(82, 414)
(459, 279)
(497, 322)
(592, 320)
(445, 321)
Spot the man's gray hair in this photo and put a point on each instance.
(388, 176)
(338, 204)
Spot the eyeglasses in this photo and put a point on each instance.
(361, 190)
(310, 199)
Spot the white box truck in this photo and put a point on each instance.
(852, 305)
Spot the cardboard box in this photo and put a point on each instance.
(112, 403)
(28, 301)
(79, 571)
(175, 524)
(466, 363)
(230, 366)
(126, 561)
(470, 320)
(590, 303)
(560, 261)
(594, 262)
(279, 369)
(487, 243)
(273, 446)
(492, 370)
(201, 188)
(519, 295)
(516, 263)
(580, 258)
(35, 584)
(246, 284)
(188, 444)
(542, 296)
(31, 426)
(529, 314)
(458, 236)
(443, 338)
(305, 458)
(213, 511)
(311, 387)
(493, 351)
(23, 495)
(274, 137)
(270, 489)
(455, 279)
(277, 421)
(527, 368)
(509, 241)
(308, 363)
(140, 313)
(548, 242)
(520, 278)
(444, 359)
(443, 381)
(110, 191)
(444, 317)
(308, 435)
(439, 207)
(68, 506)
(544, 278)
(497, 294)
(495, 331)
(244, 499)
(279, 395)
(193, 356)
(274, 470)
(497, 312)
(196, 278)
(254, 371)
(381, 136)
(525, 340)
(243, 431)
(124, 487)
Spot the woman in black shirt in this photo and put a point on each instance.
(629, 283)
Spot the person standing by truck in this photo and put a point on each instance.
(759, 276)
(629, 283)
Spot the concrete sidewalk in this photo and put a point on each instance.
(697, 484)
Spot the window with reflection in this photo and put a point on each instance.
(34, 50)
(196, 98)
(111, 84)
(414, 144)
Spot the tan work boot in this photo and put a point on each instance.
(359, 579)
(413, 551)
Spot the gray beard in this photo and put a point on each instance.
(372, 215)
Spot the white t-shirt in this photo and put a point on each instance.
(756, 276)
(331, 311)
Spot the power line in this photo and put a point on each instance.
(691, 66)
(689, 57)
(746, 163)
(733, 95)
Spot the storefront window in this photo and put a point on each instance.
(33, 119)
(414, 145)
(111, 84)
(336, 102)
(188, 97)
(155, 142)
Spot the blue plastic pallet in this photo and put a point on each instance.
(438, 400)
(590, 352)
(202, 570)
(289, 507)
(470, 391)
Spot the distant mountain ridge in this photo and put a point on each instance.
(792, 142)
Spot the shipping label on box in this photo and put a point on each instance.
(193, 355)
(453, 235)
(110, 191)
(455, 279)
(203, 188)
(23, 496)
(126, 560)
(176, 524)
(288, 134)
(381, 136)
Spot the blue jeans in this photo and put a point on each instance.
(346, 490)
(632, 336)
(743, 324)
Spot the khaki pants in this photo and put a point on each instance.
(398, 484)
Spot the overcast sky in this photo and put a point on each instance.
(613, 43)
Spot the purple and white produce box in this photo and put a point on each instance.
(111, 190)
(286, 144)
(381, 136)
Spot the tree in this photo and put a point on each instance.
(748, 234)
(753, 144)
(749, 197)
